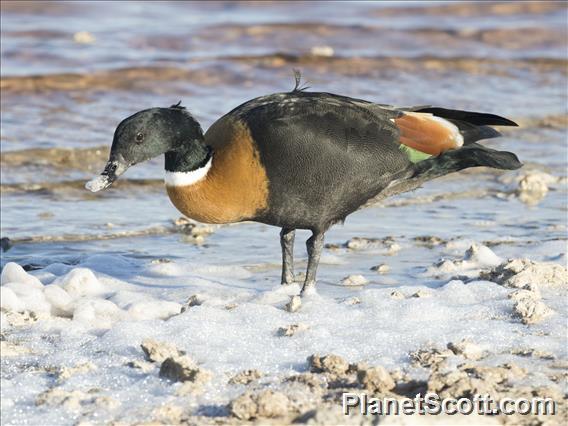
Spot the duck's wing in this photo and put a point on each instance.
(319, 110)
(420, 131)
(472, 126)
(434, 130)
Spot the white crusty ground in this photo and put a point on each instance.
(88, 317)
(71, 334)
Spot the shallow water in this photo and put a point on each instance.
(58, 93)
(62, 99)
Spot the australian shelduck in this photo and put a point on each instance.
(301, 160)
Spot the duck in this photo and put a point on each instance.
(301, 160)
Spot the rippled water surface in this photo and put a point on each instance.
(71, 71)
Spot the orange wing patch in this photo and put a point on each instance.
(427, 133)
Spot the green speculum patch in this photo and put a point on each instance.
(414, 155)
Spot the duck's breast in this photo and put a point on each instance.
(234, 188)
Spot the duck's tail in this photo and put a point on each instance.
(473, 126)
(470, 155)
(434, 130)
(440, 141)
(427, 131)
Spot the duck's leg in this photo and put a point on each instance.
(314, 246)
(287, 242)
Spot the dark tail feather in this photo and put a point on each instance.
(474, 126)
(477, 118)
(473, 133)
(472, 155)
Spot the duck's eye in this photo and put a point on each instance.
(139, 137)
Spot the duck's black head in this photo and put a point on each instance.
(145, 135)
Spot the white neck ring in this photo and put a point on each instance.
(188, 178)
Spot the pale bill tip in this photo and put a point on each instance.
(97, 183)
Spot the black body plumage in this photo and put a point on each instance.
(327, 155)
(324, 156)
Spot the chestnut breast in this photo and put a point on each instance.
(235, 188)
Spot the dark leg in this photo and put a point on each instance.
(315, 246)
(287, 242)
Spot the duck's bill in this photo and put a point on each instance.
(112, 171)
